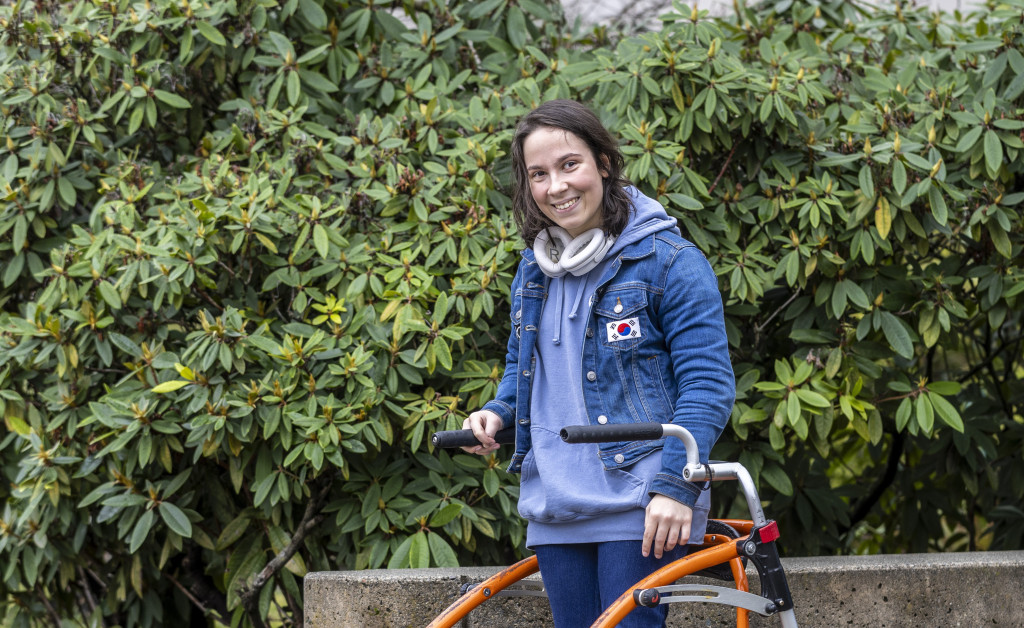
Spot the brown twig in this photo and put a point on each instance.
(193, 572)
(249, 594)
(989, 359)
(864, 506)
(722, 171)
(759, 328)
(912, 393)
(54, 615)
(209, 299)
(227, 268)
(80, 605)
(209, 612)
(297, 617)
(88, 594)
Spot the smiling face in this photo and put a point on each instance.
(565, 180)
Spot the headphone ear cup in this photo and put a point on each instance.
(580, 259)
(548, 248)
(582, 250)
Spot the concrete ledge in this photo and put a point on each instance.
(968, 589)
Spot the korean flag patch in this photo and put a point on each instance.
(624, 330)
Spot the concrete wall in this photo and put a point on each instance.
(934, 590)
(599, 11)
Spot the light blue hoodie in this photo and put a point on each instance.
(566, 493)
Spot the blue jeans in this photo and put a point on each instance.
(583, 579)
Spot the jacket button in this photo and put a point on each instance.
(602, 419)
(619, 458)
(526, 373)
(591, 376)
(524, 421)
(519, 314)
(590, 332)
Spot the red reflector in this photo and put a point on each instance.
(770, 532)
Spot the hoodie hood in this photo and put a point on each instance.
(648, 217)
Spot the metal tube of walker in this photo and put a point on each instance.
(694, 471)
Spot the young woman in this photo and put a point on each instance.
(616, 319)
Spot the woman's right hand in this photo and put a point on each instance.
(485, 424)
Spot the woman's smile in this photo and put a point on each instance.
(566, 205)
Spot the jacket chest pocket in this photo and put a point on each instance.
(621, 316)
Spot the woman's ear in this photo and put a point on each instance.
(606, 165)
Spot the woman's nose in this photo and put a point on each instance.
(556, 184)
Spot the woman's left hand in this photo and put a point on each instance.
(666, 525)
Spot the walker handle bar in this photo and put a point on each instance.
(612, 433)
(622, 432)
(450, 439)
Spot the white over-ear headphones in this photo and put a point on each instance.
(558, 253)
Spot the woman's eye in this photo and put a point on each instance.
(536, 175)
(570, 164)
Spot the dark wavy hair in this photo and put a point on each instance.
(579, 120)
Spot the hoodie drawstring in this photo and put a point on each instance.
(558, 287)
(579, 297)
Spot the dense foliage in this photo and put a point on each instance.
(253, 252)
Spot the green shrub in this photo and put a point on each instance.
(254, 253)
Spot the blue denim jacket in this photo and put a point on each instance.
(678, 371)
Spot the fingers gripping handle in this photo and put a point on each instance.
(612, 433)
(464, 438)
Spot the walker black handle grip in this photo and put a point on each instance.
(464, 438)
(611, 433)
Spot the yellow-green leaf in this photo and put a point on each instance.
(15, 424)
(883, 218)
(267, 242)
(170, 386)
